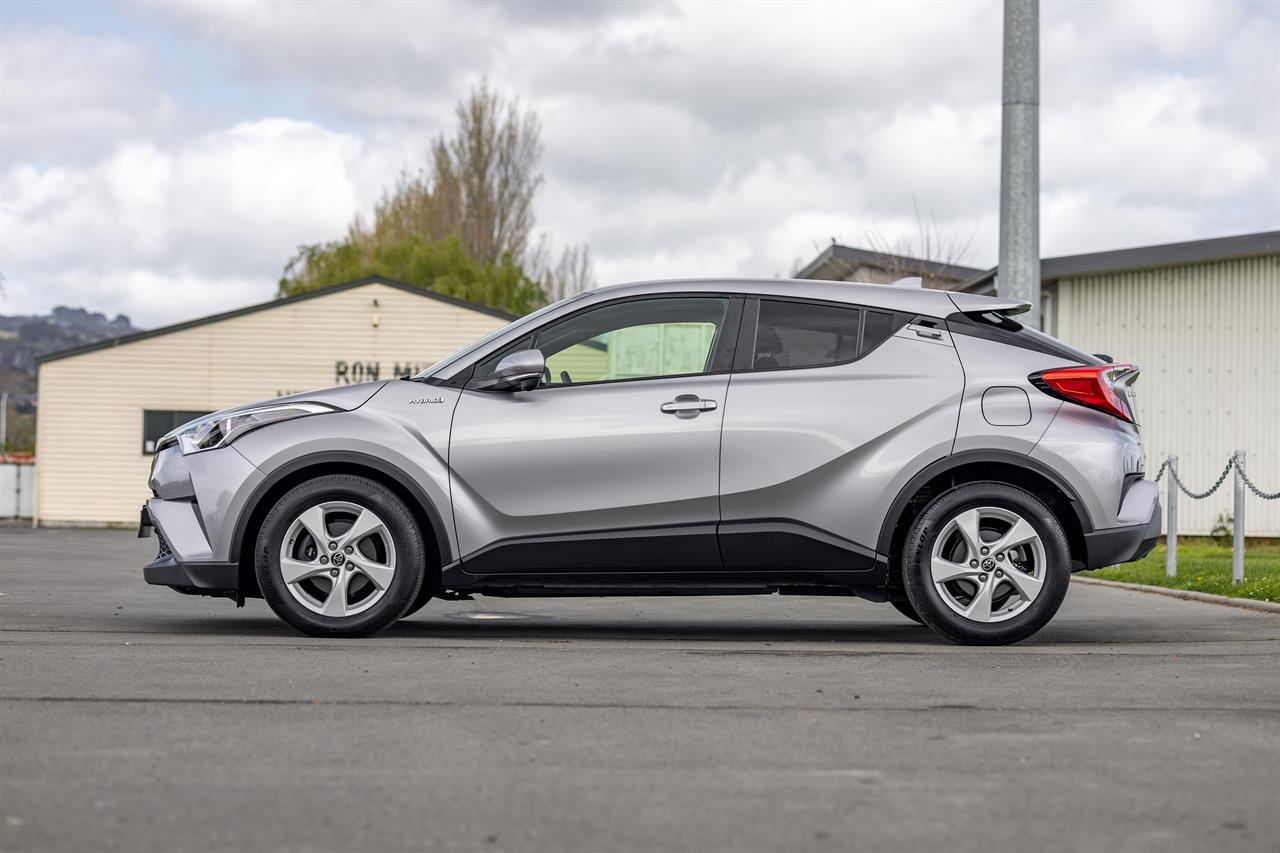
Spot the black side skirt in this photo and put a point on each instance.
(758, 557)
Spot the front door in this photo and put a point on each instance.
(612, 463)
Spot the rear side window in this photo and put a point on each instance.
(800, 334)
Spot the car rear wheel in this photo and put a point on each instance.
(340, 556)
(986, 564)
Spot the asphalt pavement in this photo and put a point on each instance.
(134, 718)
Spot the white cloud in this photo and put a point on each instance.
(681, 138)
(65, 96)
(163, 233)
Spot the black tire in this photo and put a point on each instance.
(410, 551)
(424, 595)
(905, 608)
(927, 601)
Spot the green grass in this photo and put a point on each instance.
(1206, 567)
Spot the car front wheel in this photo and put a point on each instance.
(986, 564)
(340, 556)
(905, 608)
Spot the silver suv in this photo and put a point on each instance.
(894, 443)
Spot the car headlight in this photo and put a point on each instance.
(219, 430)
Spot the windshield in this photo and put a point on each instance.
(452, 360)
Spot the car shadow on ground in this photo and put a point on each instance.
(503, 625)
(518, 627)
(511, 626)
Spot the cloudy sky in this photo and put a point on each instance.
(165, 159)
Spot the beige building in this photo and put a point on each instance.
(1202, 319)
(103, 406)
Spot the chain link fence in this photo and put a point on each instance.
(1242, 482)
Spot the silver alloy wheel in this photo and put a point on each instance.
(988, 564)
(337, 559)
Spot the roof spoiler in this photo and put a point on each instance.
(972, 303)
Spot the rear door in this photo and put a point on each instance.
(832, 408)
(612, 463)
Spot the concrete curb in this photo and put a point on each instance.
(1186, 594)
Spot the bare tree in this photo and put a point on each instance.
(475, 192)
(479, 184)
(487, 172)
(572, 272)
(929, 243)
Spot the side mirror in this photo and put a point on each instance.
(519, 371)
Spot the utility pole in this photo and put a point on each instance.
(1019, 272)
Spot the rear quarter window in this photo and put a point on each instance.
(880, 326)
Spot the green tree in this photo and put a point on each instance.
(443, 266)
(473, 196)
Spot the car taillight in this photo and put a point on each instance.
(1103, 387)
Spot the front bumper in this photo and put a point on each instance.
(195, 577)
(1129, 541)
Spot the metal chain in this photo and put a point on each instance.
(1264, 495)
(1202, 495)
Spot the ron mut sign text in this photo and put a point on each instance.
(352, 372)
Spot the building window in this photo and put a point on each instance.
(155, 424)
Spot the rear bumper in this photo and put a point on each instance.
(1123, 544)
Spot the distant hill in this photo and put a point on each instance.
(25, 338)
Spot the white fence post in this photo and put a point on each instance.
(1237, 546)
(1171, 535)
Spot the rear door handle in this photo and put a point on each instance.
(925, 331)
(687, 406)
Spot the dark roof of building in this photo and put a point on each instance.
(1143, 257)
(837, 256)
(274, 303)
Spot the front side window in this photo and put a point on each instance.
(643, 339)
(640, 339)
(804, 334)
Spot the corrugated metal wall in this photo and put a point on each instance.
(17, 489)
(90, 467)
(1207, 337)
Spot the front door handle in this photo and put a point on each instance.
(687, 406)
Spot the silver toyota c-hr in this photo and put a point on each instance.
(894, 443)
